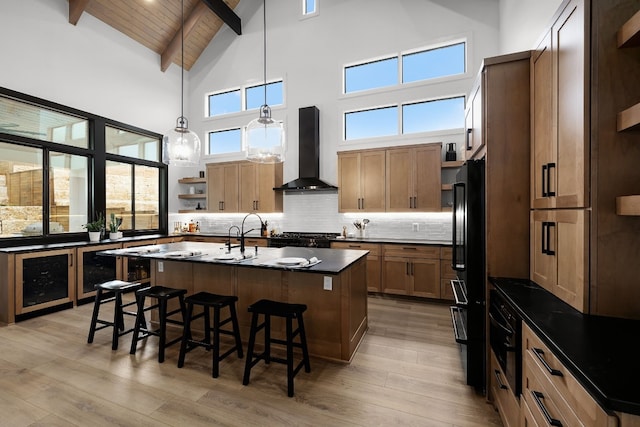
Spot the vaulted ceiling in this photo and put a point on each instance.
(156, 23)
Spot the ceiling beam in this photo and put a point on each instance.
(225, 13)
(175, 44)
(76, 7)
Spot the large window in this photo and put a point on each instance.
(430, 116)
(245, 98)
(371, 123)
(60, 166)
(371, 75)
(225, 141)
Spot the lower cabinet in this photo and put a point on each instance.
(44, 279)
(447, 273)
(92, 269)
(526, 416)
(551, 392)
(411, 270)
(503, 398)
(374, 263)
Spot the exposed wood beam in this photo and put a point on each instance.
(76, 7)
(225, 13)
(175, 44)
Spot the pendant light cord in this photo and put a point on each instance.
(264, 42)
(182, 63)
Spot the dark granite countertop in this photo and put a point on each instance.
(333, 261)
(81, 243)
(597, 350)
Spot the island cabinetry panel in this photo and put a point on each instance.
(411, 270)
(257, 182)
(503, 398)
(374, 262)
(223, 187)
(414, 179)
(92, 269)
(44, 279)
(205, 239)
(361, 181)
(549, 386)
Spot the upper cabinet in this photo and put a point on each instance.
(244, 187)
(361, 178)
(402, 179)
(474, 140)
(413, 178)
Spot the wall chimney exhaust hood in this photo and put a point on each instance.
(308, 154)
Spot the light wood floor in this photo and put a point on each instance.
(406, 373)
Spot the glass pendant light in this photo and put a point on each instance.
(180, 146)
(264, 136)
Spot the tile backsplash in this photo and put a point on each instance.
(318, 212)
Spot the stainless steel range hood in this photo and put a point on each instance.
(308, 154)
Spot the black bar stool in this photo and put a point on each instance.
(210, 301)
(270, 308)
(162, 295)
(107, 292)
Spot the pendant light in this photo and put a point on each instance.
(180, 146)
(264, 137)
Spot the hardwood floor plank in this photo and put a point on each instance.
(406, 372)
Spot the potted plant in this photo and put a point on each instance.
(95, 228)
(114, 224)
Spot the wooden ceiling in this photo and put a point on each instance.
(156, 23)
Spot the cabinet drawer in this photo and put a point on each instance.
(544, 400)
(373, 249)
(255, 242)
(417, 251)
(543, 362)
(503, 398)
(526, 416)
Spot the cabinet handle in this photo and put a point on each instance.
(543, 238)
(71, 260)
(406, 268)
(467, 139)
(540, 355)
(545, 193)
(538, 396)
(409, 248)
(412, 269)
(362, 203)
(501, 385)
(257, 204)
(549, 192)
(355, 246)
(549, 226)
(415, 202)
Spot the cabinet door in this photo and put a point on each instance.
(425, 278)
(248, 187)
(474, 123)
(349, 182)
(400, 166)
(427, 184)
(222, 187)
(92, 269)
(372, 180)
(269, 177)
(572, 258)
(571, 110)
(396, 277)
(543, 263)
(542, 136)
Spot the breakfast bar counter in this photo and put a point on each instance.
(331, 282)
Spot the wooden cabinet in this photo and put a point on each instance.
(92, 269)
(374, 262)
(503, 398)
(197, 198)
(550, 391)
(136, 269)
(361, 181)
(413, 178)
(447, 274)
(559, 255)
(411, 270)
(474, 138)
(223, 187)
(580, 161)
(244, 187)
(44, 279)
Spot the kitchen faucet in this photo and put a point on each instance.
(229, 240)
(242, 232)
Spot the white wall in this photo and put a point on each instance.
(91, 66)
(522, 22)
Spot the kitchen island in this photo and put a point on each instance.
(333, 289)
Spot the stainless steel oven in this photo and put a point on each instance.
(505, 336)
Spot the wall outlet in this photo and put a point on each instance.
(416, 226)
(328, 283)
(160, 266)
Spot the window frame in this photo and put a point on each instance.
(243, 98)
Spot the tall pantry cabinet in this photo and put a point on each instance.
(582, 251)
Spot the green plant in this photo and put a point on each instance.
(114, 223)
(96, 225)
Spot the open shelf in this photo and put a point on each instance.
(629, 118)
(194, 180)
(628, 205)
(192, 210)
(456, 164)
(447, 187)
(629, 33)
(192, 196)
